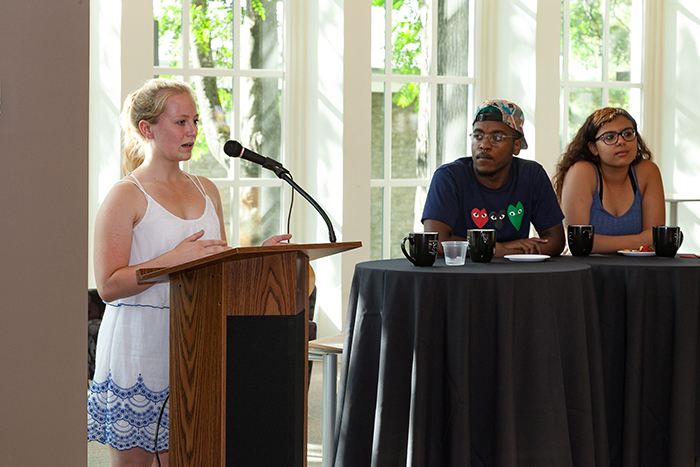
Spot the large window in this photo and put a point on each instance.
(601, 59)
(422, 95)
(232, 53)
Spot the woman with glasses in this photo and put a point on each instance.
(606, 178)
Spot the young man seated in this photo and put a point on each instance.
(494, 190)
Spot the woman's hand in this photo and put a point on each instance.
(276, 239)
(192, 248)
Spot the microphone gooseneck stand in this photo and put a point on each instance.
(235, 149)
(288, 178)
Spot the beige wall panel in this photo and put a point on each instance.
(43, 231)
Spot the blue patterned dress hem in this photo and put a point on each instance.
(126, 418)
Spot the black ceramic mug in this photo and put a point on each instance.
(580, 239)
(667, 240)
(423, 248)
(481, 245)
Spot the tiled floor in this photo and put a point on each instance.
(98, 455)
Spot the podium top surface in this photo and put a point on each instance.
(312, 250)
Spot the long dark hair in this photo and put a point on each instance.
(578, 149)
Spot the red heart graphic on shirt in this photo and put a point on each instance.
(480, 217)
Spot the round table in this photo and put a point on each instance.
(483, 364)
(650, 349)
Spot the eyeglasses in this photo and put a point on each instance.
(494, 139)
(611, 137)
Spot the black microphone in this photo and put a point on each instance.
(235, 149)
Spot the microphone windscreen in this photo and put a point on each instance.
(233, 148)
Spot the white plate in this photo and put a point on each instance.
(527, 258)
(636, 253)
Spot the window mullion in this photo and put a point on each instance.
(566, 43)
(386, 222)
(186, 20)
(471, 39)
(388, 89)
(235, 196)
(432, 86)
(432, 37)
(235, 98)
(605, 79)
(388, 128)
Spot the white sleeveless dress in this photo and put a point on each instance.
(131, 378)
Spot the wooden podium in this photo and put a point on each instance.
(238, 355)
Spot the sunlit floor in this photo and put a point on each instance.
(98, 454)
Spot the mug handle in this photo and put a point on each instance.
(681, 242)
(403, 248)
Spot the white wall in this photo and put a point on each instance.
(121, 54)
(516, 52)
(680, 149)
(357, 85)
(105, 105)
(338, 166)
(547, 107)
(324, 138)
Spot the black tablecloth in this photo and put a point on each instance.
(485, 364)
(572, 361)
(650, 333)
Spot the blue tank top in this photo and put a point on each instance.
(629, 223)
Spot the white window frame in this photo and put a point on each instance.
(389, 82)
(186, 71)
(605, 84)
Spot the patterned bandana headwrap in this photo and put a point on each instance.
(502, 111)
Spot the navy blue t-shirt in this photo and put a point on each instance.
(460, 201)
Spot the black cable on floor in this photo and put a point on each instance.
(160, 417)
